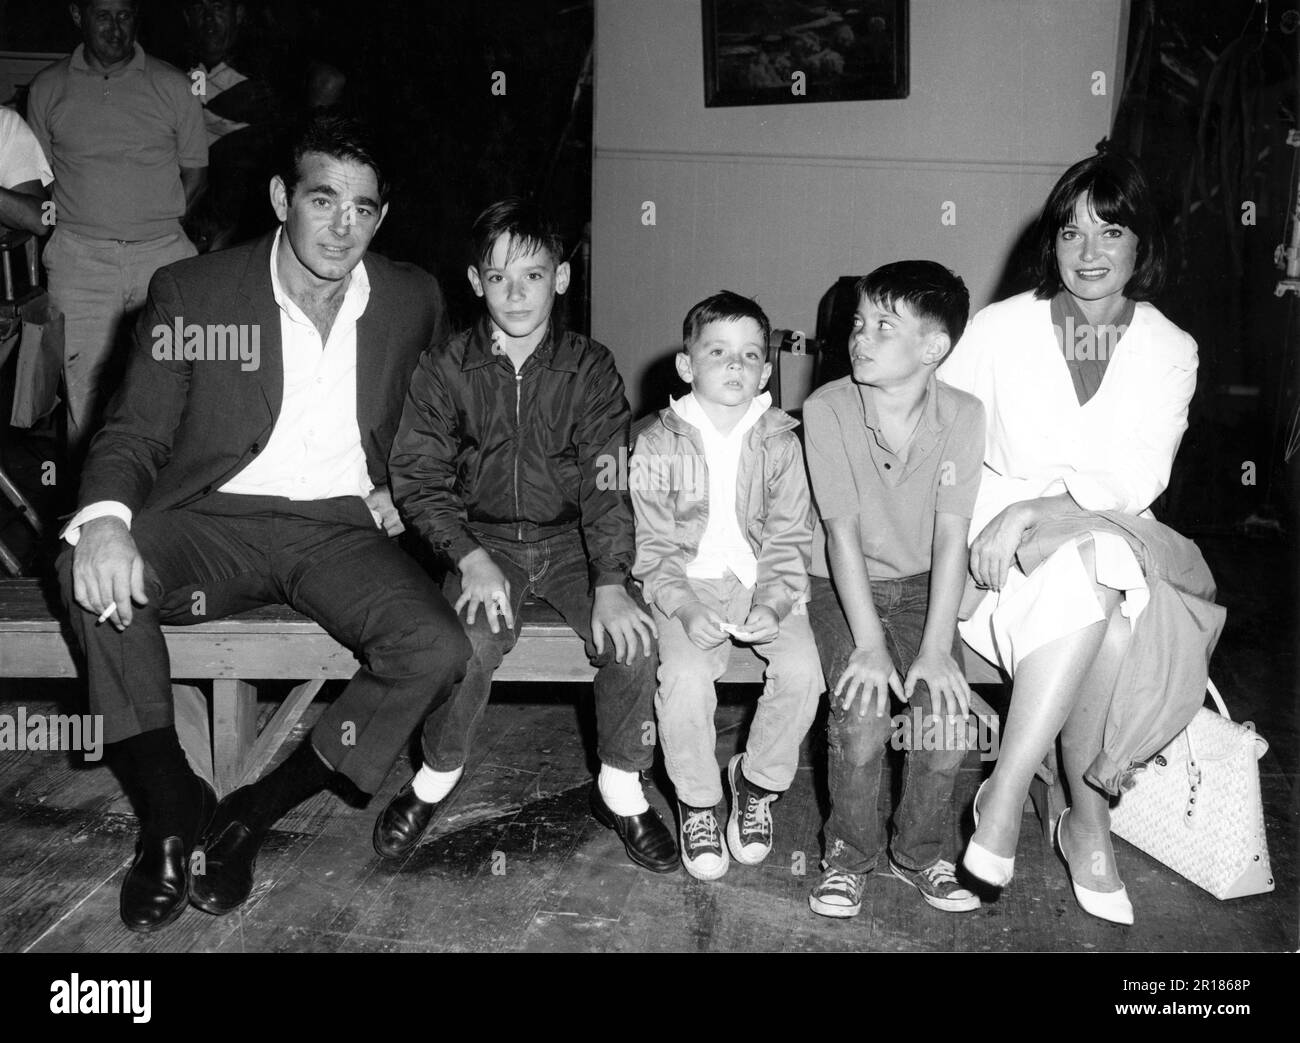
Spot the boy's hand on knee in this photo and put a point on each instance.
(869, 677)
(701, 624)
(761, 625)
(613, 612)
(483, 583)
(949, 692)
(107, 570)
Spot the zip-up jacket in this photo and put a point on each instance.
(669, 485)
(482, 449)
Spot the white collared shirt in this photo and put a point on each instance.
(723, 547)
(314, 451)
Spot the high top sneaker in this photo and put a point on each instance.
(703, 853)
(749, 826)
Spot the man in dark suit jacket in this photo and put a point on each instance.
(244, 462)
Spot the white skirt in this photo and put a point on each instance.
(1057, 599)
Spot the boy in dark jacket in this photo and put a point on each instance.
(497, 463)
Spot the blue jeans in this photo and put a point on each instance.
(855, 831)
(555, 570)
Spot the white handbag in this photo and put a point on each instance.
(1196, 806)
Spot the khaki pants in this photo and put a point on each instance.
(687, 700)
(97, 284)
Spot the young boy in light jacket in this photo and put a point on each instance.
(723, 539)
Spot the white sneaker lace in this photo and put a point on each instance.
(840, 882)
(701, 830)
(758, 816)
(941, 873)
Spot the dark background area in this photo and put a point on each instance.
(1210, 93)
(422, 73)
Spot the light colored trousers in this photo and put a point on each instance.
(687, 700)
(96, 283)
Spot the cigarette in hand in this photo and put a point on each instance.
(112, 607)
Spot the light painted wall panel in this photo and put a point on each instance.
(778, 201)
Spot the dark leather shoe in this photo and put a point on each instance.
(229, 857)
(155, 888)
(403, 823)
(648, 841)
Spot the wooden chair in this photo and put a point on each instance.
(20, 285)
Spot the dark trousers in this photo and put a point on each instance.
(555, 570)
(855, 831)
(324, 558)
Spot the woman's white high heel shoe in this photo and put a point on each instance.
(1108, 905)
(980, 862)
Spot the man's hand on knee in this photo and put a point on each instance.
(107, 570)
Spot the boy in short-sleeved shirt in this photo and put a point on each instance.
(894, 457)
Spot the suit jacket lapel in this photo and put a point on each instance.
(372, 358)
(255, 286)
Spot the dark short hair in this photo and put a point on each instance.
(339, 137)
(528, 229)
(725, 306)
(932, 292)
(1117, 192)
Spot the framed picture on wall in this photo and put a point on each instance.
(786, 52)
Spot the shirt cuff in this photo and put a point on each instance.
(777, 598)
(102, 509)
(457, 547)
(669, 597)
(602, 576)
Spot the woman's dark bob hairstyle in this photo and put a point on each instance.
(1118, 193)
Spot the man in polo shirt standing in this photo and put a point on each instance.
(125, 136)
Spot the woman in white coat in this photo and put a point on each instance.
(1086, 388)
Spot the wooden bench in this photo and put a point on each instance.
(272, 643)
(277, 643)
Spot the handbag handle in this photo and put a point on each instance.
(1220, 706)
(1218, 699)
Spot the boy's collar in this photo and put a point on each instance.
(688, 408)
(929, 411)
(555, 350)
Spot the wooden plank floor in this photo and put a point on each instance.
(517, 863)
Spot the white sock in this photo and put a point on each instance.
(621, 791)
(432, 786)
